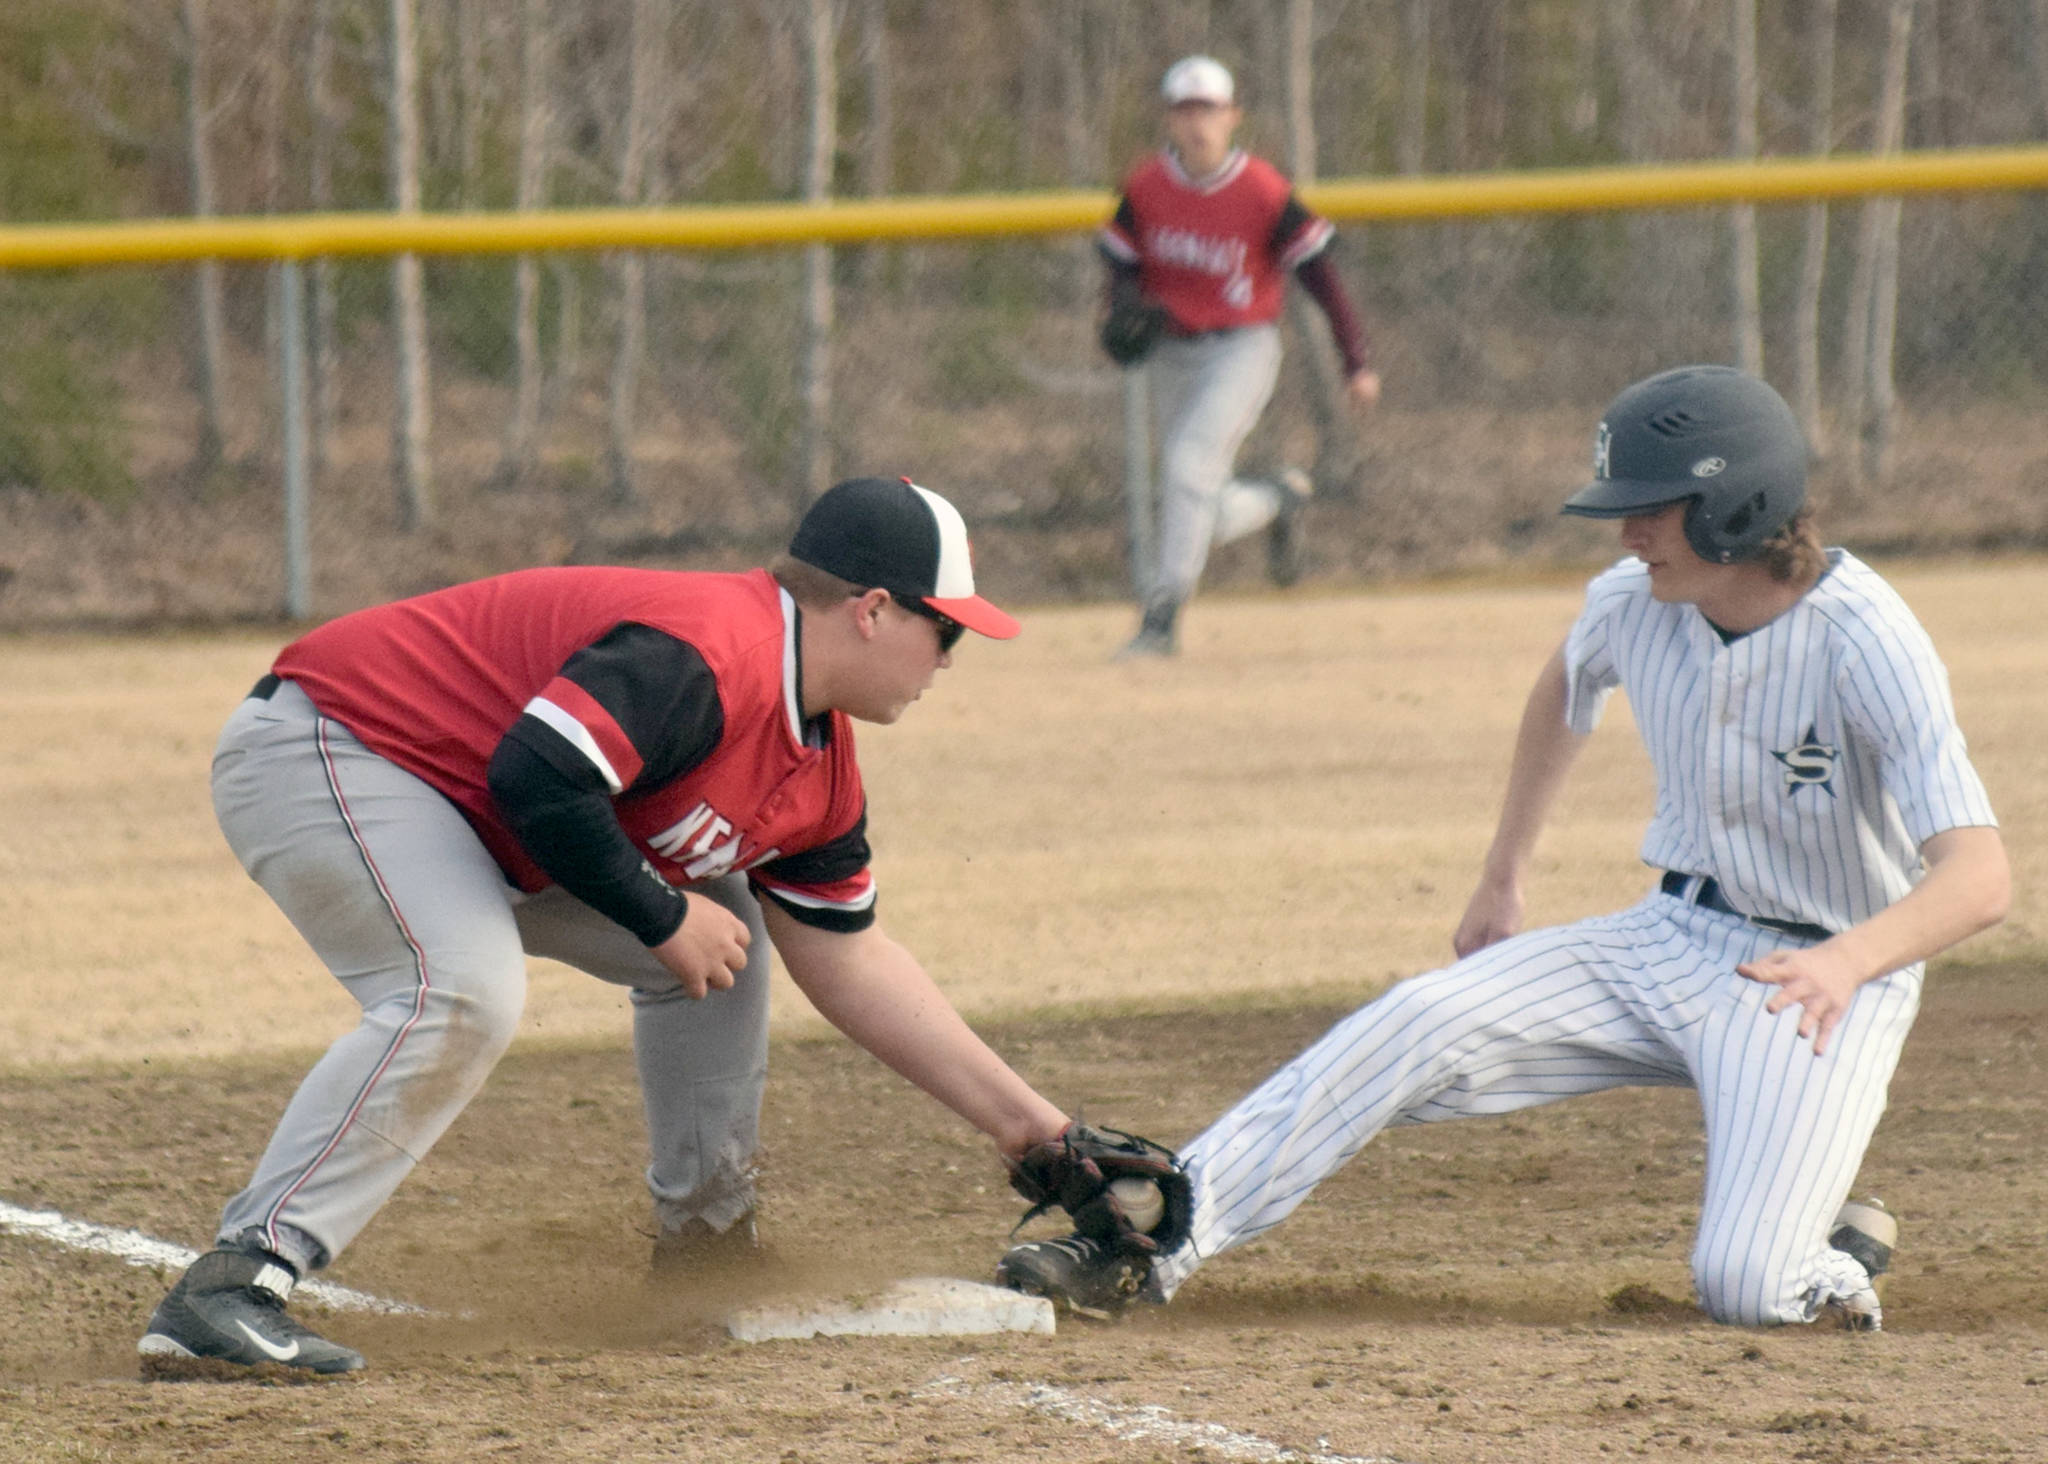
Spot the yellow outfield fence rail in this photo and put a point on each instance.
(1502, 311)
(973, 216)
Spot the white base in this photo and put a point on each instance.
(923, 1306)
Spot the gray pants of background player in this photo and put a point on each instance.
(395, 893)
(1207, 393)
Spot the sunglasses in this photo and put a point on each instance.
(950, 630)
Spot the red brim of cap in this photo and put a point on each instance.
(977, 615)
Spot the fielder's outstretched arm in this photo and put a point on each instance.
(1545, 749)
(872, 989)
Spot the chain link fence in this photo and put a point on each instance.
(973, 368)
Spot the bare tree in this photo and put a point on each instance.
(2035, 26)
(1081, 146)
(876, 158)
(821, 73)
(1863, 397)
(1933, 109)
(1332, 465)
(411, 431)
(522, 431)
(1650, 119)
(644, 66)
(1749, 324)
(471, 24)
(210, 331)
(1813, 248)
(324, 356)
(1884, 292)
(1411, 128)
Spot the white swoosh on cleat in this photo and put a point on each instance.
(268, 1347)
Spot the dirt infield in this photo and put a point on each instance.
(1150, 884)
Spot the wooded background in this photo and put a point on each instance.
(668, 402)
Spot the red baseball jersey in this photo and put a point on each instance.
(1214, 252)
(433, 684)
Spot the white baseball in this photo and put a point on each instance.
(1142, 1203)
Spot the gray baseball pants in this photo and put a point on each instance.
(1207, 394)
(393, 890)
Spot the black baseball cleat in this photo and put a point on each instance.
(1286, 549)
(1866, 1230)
(1158, 634)
(1086, 1276)
(228, 1307)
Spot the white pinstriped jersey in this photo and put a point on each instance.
(1801, 765)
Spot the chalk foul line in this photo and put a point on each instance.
(1140, 1423)
(138, 1249)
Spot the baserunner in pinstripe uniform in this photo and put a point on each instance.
(1819, 832)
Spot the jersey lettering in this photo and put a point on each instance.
(671, 841)
(711, 863)
(1189, 250)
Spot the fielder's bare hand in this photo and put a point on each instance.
(1820, 981)
(706, 949)
(1492, 914)
(1363, 388)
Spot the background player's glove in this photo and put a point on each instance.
(1075, 1172)
(1131, 329)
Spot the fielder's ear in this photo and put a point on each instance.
(867, 611)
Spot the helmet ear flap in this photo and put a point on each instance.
(1716, 538)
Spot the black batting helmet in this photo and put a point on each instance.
(1711, 436)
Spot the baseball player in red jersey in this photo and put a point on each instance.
(1208, 233)
(647, 775)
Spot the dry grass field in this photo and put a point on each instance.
(1148, 884)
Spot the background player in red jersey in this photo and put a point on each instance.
(647, 775)
(1207, 233)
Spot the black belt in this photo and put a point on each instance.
(1701, 890)
(266, 686)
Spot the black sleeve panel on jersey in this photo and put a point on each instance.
(665, 700)
(565, 821)
(1125, 219)
(842, 858)
(661, 694)
(1294, 217)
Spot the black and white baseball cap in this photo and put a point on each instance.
(892, 534)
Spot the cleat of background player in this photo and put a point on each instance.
(1286, 545)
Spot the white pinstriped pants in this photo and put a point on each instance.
(395, 893)
(1647, 996)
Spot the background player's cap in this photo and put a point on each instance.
(888, 532)
(1198, 79)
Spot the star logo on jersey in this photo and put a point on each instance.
(1809, 763)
